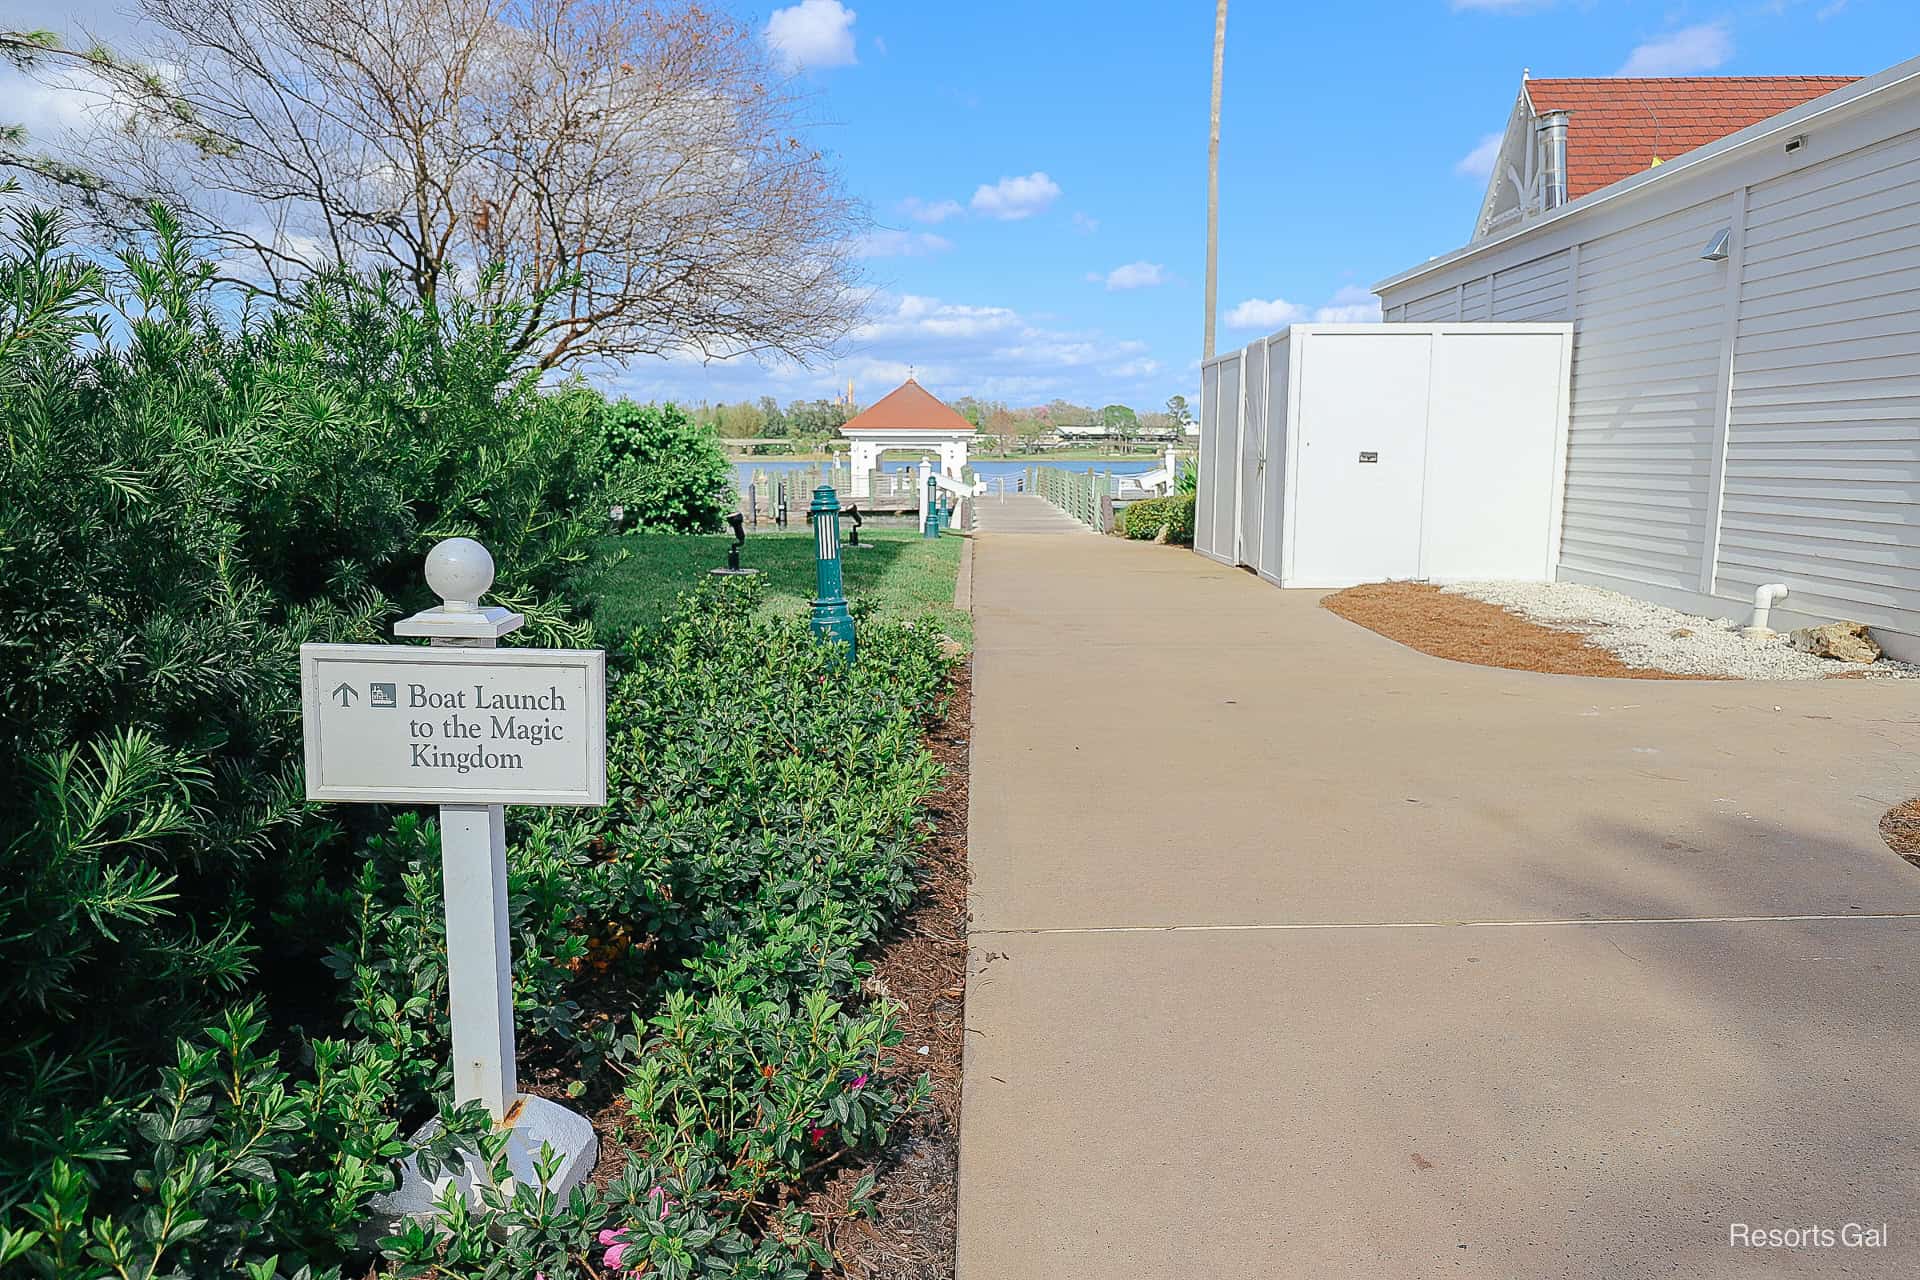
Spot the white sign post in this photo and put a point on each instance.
(471, 728)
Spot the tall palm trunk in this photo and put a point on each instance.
(1213, 177)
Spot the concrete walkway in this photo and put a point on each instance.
(1023, 513)
(1297, 953)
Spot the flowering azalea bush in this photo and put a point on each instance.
(759, 838)
(695, 949)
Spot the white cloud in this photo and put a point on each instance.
(1011, 199)
(1085, 225)
(813, 33)
(1131, 275)
(1265, 313)
(1478, 163)
(61, 108)
(914, 315)
(1686, 52)
(1351, 305)
(887, 242)
(930, 210)
(955, 348)
(1832, 10)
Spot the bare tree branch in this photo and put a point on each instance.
(635, 167)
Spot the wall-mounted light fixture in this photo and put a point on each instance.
(1718, 247)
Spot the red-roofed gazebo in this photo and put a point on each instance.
(908, 417)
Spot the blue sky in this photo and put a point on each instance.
(1347, 143)
(1037, 170)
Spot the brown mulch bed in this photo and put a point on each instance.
(923, 969)
(1900, 827)
(1421, 616)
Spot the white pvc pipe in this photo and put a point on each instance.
(1764, 597)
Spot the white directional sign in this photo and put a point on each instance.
(397, 724)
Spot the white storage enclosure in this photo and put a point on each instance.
(1746, 370)
(1332, 455)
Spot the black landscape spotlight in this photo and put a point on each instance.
(738, 523)
(853, 534)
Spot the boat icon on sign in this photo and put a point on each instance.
(383, 695)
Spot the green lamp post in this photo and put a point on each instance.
(831, 620)
(932, 527)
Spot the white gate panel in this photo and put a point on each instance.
(1339, 454)
(1492, 467)
(1253, 452)
(1273, 483)
(1362, 458)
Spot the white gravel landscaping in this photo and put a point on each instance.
(1650, 635)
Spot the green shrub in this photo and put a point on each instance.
(1144, 520)
(759, 839)
(184, 499)
(227, 1005)
(667, 470)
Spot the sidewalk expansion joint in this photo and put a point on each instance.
(1312, 925)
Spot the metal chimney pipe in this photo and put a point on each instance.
(1552, 128)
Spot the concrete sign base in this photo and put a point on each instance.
(530, 1123)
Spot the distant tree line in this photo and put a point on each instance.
(1019, 428)
(764, 419)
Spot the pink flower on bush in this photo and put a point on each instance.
(816, 1135)
(859, 1082)
(617, 1246)
(663, 1200)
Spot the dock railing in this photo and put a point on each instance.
(762, 488)
(1077, 493)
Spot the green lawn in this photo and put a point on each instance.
(907, 576)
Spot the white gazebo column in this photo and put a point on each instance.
(1173, 470)
(865, 456)
(921, 489)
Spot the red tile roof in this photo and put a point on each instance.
(908, 407)
(1621, 126)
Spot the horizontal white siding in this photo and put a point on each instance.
(1432, 307)
(1477, 299)
(1646, 362)
(1823, 446)
(1746, 421)
(1536, 290)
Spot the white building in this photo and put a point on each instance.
(1740, 259)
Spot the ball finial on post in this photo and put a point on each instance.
(460, 571)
